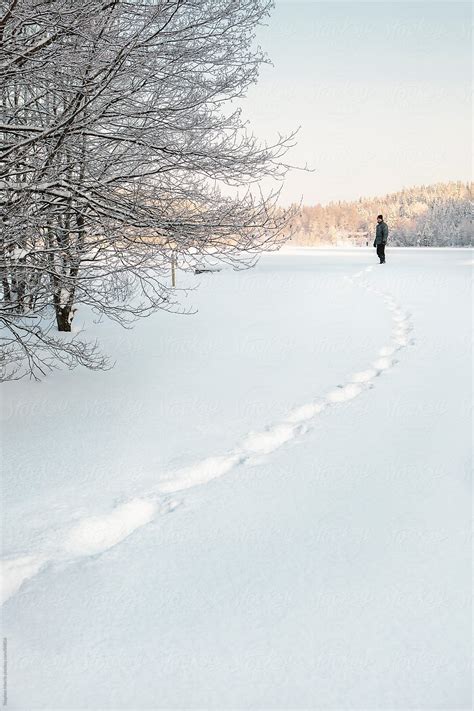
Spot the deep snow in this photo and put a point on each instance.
(293, 463)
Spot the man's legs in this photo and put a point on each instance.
(381, 253)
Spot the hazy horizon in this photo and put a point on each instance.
(381, 91)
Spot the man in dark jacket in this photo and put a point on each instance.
(381, 235)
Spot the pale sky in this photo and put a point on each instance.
(381, 90)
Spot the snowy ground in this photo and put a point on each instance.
(265, 505)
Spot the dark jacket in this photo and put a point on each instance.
(381, 234)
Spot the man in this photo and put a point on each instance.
(381, 234)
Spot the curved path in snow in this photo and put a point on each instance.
(95, 534)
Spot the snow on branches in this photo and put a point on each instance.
(119, 130)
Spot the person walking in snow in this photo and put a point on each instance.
(381, 235)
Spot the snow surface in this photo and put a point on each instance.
(309, 431)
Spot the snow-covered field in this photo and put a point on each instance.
(264, 505)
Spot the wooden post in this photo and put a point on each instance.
(173, 270)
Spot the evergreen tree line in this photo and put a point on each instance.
(428, 215)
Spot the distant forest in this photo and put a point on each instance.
(437, 215)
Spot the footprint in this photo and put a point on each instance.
(305, 412)
(267, 441)
(99, 533)
(364, 376)
(343, 394)
(199, 473)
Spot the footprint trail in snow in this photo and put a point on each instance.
(95, 534)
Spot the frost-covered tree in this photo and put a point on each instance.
(123, 145)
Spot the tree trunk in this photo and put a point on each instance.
(6, 289)
(62, 318)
